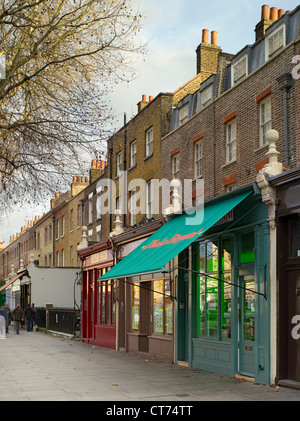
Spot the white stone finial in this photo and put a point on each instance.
(176, 184)
(273, 167)
(84, 239)
(117, 224)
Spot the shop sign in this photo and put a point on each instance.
(98, 258)
(226, 218)
(125, 249)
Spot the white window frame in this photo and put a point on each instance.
(206, 95)
(231, 142)
(175, 166)
(149, 199)
(133, 153)
(265, 123)
(119, 163)
(238, 70)
(99, 202)
(183, 114)
(273, 34)
(90, 235)
(90, 208)
(62, 257)
(198, 158)
(57, 259)
(149, 141)
(98, 231)
(133, 207)
(57, 229)
(62, 225)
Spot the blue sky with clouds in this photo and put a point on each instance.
(173, 30)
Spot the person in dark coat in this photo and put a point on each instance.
(29, 318)
(18, 316)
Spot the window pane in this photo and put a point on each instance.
(247, 247)
(202, 248)
(226, 306)
(158, 314)
(168, 309)
(135, 307)
(211, 257)
(295, 225)
(108, 303)
(248, 311)
(201, 305)
(212, 306)
(226, 254)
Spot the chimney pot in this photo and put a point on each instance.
(93, 163)
(86, 179)
(102, 164)
(74, 179)
(144, 97)
(205, 35)
(214, 37)
(273, 13)
(82, 179)
(97, 164)
(280, 13)
(56, 195)
(265, 12)
(150, 98)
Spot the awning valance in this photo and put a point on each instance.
(172, 238)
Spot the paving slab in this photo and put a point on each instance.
(36, 366)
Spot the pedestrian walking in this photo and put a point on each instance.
(7, 317)
(29, 318)
(34, 316)
(18, 316)
(2, 324)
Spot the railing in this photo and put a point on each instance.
(63, 320)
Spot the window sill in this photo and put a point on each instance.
(148, 156)
(132, 167)
(228, 163)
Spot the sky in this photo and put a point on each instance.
(172, 30)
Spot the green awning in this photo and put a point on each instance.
(173, 237)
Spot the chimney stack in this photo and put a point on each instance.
(268, 16)
(273, 13)
(207, 54)
(142, 103)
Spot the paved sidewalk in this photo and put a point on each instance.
(35, 366)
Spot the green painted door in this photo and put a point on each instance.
(246, 325)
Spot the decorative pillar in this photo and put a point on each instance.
(269, 198)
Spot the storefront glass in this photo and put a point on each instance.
(135, 307)
(106, 312)
(162, 308)
(214, 289)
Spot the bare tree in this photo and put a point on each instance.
(62, 58)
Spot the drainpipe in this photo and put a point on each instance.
(53, 240)
(110, 187)
(286, 81)
(124, 169)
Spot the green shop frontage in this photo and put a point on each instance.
(217, 264)
(223, 317)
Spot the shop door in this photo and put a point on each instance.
(90, 304)
(246, 325)
(294, 325)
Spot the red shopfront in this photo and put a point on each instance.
(98, 299)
